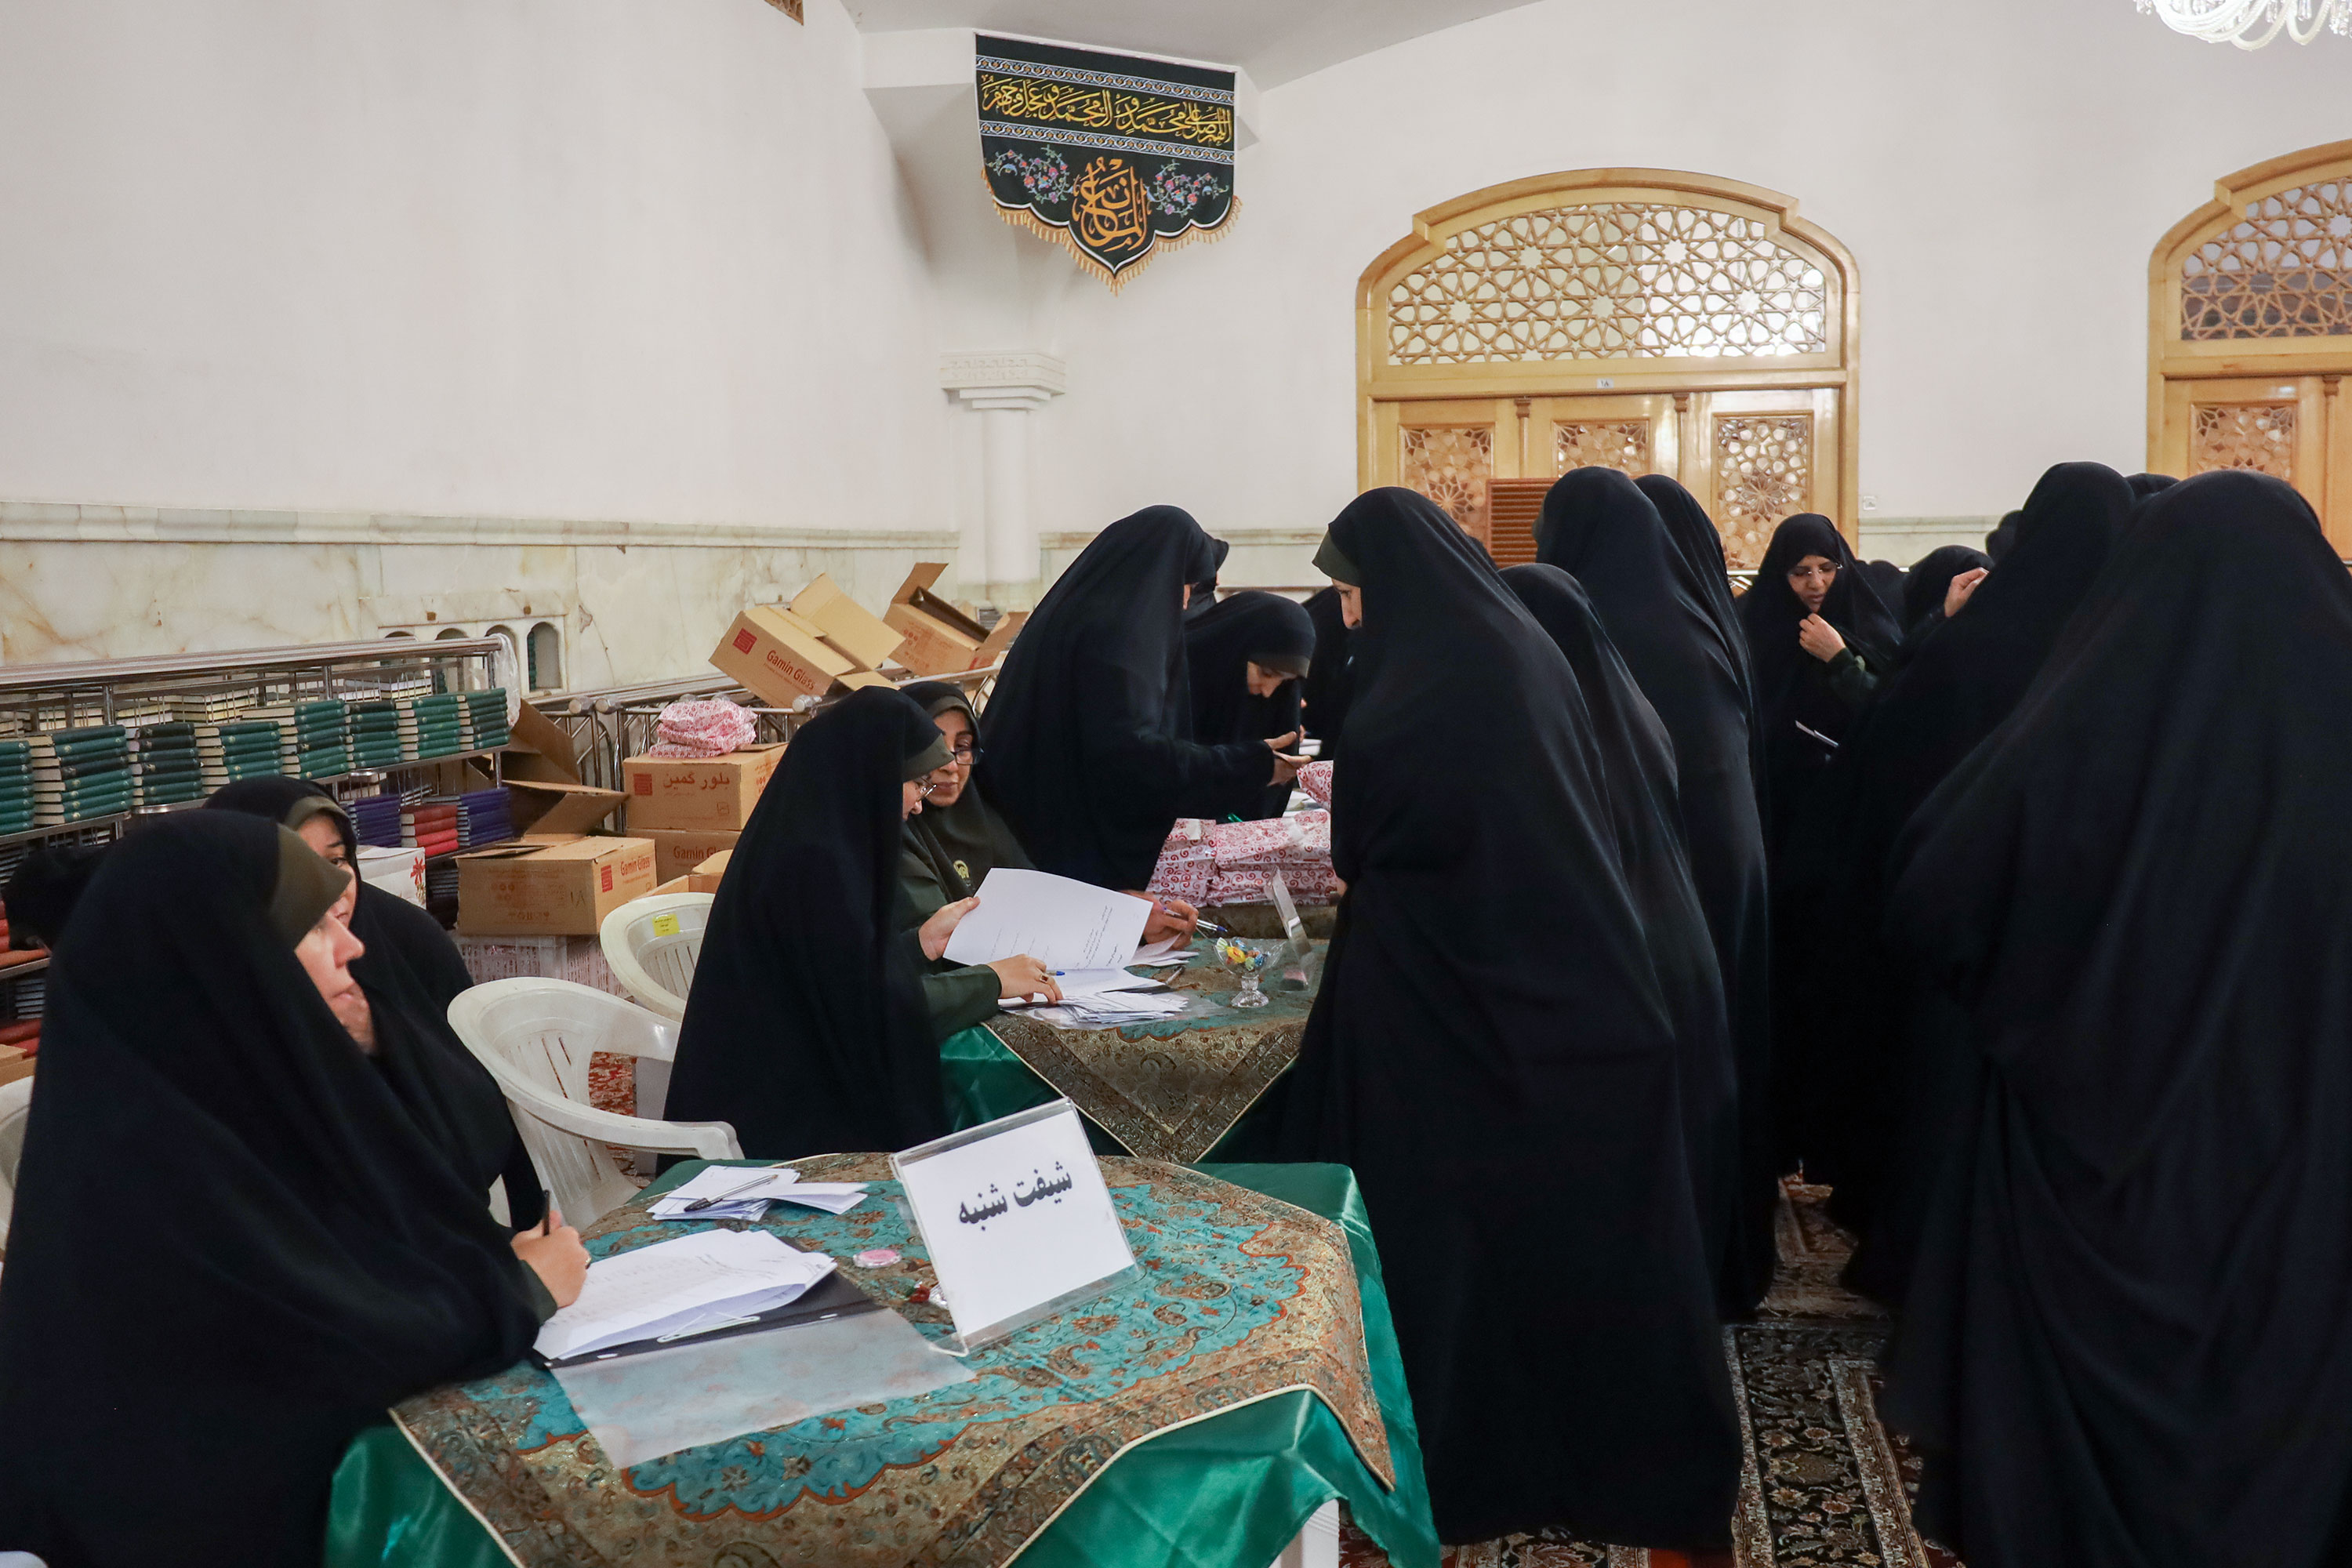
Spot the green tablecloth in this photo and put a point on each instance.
(1227, 1492)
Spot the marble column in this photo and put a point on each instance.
(1004, 389)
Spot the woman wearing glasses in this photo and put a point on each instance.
(951, 846)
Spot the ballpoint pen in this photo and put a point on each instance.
(698, 1204)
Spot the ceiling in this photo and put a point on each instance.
(1273, 40)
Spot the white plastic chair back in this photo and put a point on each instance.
(15, 1106)
(536, 1037)
(652, 945)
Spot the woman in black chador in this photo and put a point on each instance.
(807, 1027)
(2126, 1339)
(1326, 687)
(1604, 532)
(1963, 681)
(232, 1247)
(1818, 641)
(1247, 658)
(1087, 753)
(1493, 1051)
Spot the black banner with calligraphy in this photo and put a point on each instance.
(1114, 156)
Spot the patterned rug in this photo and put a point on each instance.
(1826, 1485)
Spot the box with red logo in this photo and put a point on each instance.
(779, 657)
(553, 885)
(698, 794)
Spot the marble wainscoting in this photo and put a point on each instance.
(635, 602)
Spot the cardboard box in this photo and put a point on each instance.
(14, 1064)
(539, 750)
(940, 639)
(705, 877)
(675, 885)
(848, 625)
(677, 852)
(558, 806)
(778, 657)
(697, 794)
(550, 886)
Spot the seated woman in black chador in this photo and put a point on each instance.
(809, 1027)
(1246, 658)
(399, 1012)
(303, 1256)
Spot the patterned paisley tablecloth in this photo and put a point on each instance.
(1169, 1090)
(1240, 1298)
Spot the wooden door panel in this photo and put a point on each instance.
(1758, 458)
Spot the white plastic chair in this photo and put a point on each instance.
(652, 945)
(536, 1037)
(15, 1106)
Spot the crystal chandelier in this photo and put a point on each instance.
(2251, 24)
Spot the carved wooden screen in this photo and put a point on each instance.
(2250, 318)
(1640, 320)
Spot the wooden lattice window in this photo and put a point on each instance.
(1450, 466)
(2284, 271)
(1622, 445)
(1764, 473)
(2250, 333)
(2256, 436)
(1611, 281)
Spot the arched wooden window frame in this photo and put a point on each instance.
(2305, 371)
(1834, 369)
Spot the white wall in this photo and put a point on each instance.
(635, 260)
(2001, 171)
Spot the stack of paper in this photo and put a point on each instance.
(757, 1190)
(673, 1289)
(1110, 1008)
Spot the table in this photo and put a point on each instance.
(1228, 1488)
(1168, 1090)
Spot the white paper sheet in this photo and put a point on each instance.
(709, 1273)
(751, 1202)
(1062, 924)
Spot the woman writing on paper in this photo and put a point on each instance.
(303, 1259)
(812, 1026)
(1089, 760)
(1247, 655)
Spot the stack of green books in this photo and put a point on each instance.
(170, 770)
(375, 736)
(318, 734)
(16, 785)
(240, 749)
(81, 773)
(432, 726)
(486, 720)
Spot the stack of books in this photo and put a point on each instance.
(486, 720)
(239, 749)
(217, 709)
(317, 733)
(485, 817)
(375, 736)
(16, 785)
(430, 825)
(170, 767)
(81, 773)
(375, 819)
(432, 726)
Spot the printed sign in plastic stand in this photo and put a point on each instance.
(1017, 1219)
